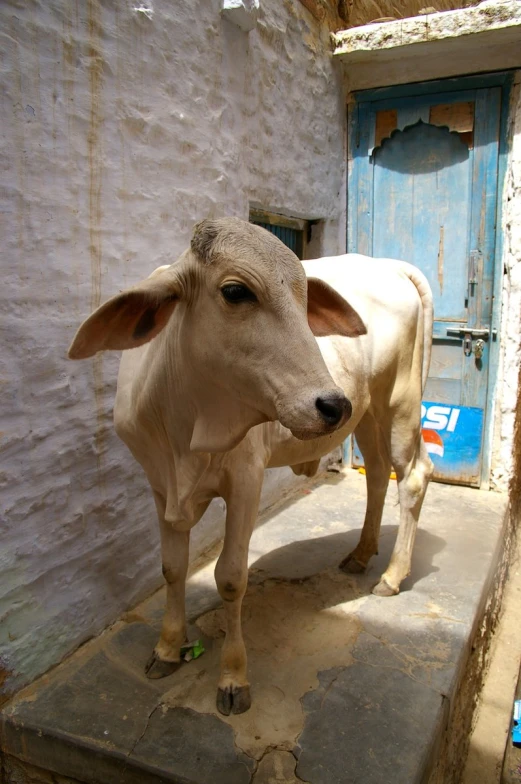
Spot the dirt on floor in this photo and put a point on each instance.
(309, 621)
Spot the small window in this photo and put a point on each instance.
(291, 231)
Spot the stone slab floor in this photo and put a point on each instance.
(346, 686)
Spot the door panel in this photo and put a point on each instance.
(426, 176)
(421, 190)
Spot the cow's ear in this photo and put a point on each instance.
(330, 314)
(131, 318)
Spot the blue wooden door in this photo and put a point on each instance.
(423, 187)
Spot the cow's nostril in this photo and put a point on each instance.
(333, 408)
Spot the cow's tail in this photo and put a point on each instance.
(424, 290)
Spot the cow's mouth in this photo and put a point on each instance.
(332, 411)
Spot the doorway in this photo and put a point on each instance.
(426, 173)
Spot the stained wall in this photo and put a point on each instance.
(125, 123)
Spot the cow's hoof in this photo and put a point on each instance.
(350, 565)
(384, 589)
(233, 699)
(157, 668)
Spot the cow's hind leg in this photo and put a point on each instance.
(377, 463)
(231, 575)
(414, 469)
(166, 657)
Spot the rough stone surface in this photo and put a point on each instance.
(124, 124)
(383, 721)
(17, 772)
(243, 13)
(508, 389)
(277, 767)
(196, 747)
(345, 681)
(486, 16)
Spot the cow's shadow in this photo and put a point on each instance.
(315, 560)
(302, 615)
(299, 561)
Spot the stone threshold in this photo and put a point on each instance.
(346, 686)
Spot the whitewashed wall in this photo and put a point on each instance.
(121, 131)
(507, 395)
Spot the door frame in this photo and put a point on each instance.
(503, 79)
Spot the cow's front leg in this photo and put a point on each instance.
(166, 657)
(377, 470)
(414, 469)
(231, 576)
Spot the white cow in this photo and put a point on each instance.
(226, 378)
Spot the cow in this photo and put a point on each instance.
(238, 357)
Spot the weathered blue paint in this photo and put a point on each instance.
(416, 174)
(430, 196)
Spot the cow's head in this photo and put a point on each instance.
(244, 325)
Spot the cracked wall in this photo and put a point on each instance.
(123, 129)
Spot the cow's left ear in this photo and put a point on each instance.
(330, 314)
(131, 318)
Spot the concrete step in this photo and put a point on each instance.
(346, 686)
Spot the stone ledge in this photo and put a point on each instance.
(493, 21)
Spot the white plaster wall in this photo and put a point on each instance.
(120, 132)
(507, 388)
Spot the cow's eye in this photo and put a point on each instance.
(237, 292)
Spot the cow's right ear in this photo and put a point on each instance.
(129, 319)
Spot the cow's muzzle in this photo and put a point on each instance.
(334, 409)
(320, 416)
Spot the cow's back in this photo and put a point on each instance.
(372, 286)
(388, 303)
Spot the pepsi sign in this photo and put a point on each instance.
(453, 436)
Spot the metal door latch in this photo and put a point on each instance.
(473, 333)
(468, 335)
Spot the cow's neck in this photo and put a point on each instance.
(196, 419)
